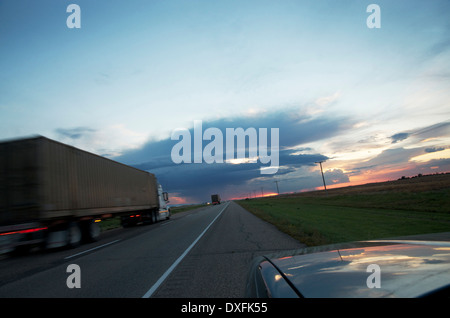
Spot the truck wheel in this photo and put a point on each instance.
(91, 231)
(73, 234)
(56, 239)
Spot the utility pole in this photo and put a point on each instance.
(278, 190)
(262, 192)
(323, 178)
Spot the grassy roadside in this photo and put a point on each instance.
(344, 215)
(109, 224)
(184, 208)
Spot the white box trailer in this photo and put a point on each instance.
(55, 194)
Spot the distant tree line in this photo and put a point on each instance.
(422, 175)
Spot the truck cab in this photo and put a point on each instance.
(164, 209)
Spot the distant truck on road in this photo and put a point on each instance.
(53, 194)
(215, 199)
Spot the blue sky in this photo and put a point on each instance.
(373, 102)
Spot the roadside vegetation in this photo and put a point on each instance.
(184, 208)
(408, 206)
(110, 223)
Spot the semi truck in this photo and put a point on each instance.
(54, 195)
(215, 199)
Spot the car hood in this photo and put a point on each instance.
(402, 269)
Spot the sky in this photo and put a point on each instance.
(372, 103)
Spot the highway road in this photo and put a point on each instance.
(199, 253)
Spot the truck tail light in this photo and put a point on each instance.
(25, 231)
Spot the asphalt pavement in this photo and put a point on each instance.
(218, 265)
(200, 253)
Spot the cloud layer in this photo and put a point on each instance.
(302, 137)
(198, 180)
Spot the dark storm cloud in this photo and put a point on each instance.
(434, 149)
(194, 180)
(399, 137)
(200, 180)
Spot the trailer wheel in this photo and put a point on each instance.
(73, 234)
(91, 231)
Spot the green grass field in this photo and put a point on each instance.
(405, 207)
(184, 208)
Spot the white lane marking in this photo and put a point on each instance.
(150, 292)
(97, 247)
